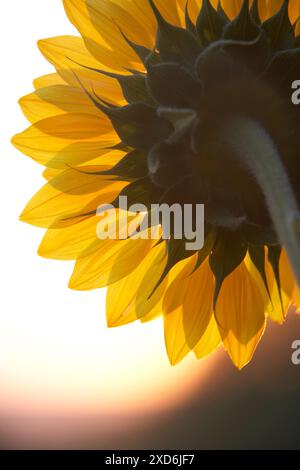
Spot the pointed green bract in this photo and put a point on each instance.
(228, 253)
(274, 253)
(255, 13)
(171, 85)
(138, 125)
(243, 27)
(132, 166)
(280, 30)
(210, 23)
(257, 256)
(175, 44)
(188, 22)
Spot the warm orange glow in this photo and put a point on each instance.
(97, 369)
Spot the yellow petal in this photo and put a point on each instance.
(68, 243)
(194, 9)
(128, 299)
(209, 341)
(68, 139)
(56, 100)
(112, 260)
(102, 35)
(107, 160)
(278, 307)
(50, 173)
(187, 309)
(240, 315)
(76, 240)
(268, 8)
(296, 298)
(48, 80)
(71, 58)
(170, 11)
(68, 194)
(294, 10)
(132, 19)
(287, 277)
(231, 7)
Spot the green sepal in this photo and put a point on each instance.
(242, 28)
(175, 44)
(250, 44)
(274, 253)
(133, 87)
(176, 252)
(209, 243)
(188, 22)
(222, 14)
(172, 85)
(141, 51)
(142, 191)
(255, 12)
(121, 146)
(132, 166)
(280, 30)
(228, 253)
(209, 24)
(257, 256)
(138, 125)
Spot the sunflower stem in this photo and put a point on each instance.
(258, 152)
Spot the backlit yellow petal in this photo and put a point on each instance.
(113, 260)
(268, 8)
(187, 309)
(55, 100)
(75, 240)
(279, 305)
(48, 80)
(102, 35)
(240, 315)
(128, 299)
(231, 7)
(69, 193)
(68, 243)
(170, 10)
(209, 341)
(71, 58)
(135, 24)
(68, 139)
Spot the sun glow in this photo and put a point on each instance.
(78, 363)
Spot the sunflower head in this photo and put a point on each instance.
(154, 84)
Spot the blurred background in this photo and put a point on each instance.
(67, 382)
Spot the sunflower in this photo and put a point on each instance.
(163, 101)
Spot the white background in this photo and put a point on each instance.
(55, 350)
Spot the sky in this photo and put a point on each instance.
(69, 382)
